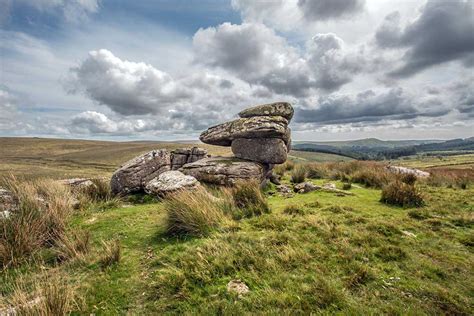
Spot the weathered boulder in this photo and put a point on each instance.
(265, 150)
(403, 170)
(252, 127)
(181, 156)
(306, 187)
(272, 109)
(169, 182)
(136, 173)
(8, 202)
(224, 170)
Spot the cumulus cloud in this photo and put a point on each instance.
(443, 32)
(128, 88)
(98, 123)
(256, 54)
(369, 106)
(320, 10)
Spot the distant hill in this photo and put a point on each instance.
(373, 148)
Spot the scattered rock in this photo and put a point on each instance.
(285, 191)
(224, 170)
(8, 202)
(182, 156)
(404, 170)
(169, 182)
(136, 173)
(409, 234)
(306, 187)
(272, 109)
(275, 179)
(330, 186)
(77, 183)
(238, 287)
(252, 127)
(264, 150)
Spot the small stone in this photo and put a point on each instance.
(238, 287)
(330, 186)
(404, 170)
(409, 234)
(8, 202)
(306, 187)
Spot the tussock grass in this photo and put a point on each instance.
(44, 211)
(45, 297)
(248, 200)
(402, 194)
(111, 253)
(73, 244)
(193, 213)
(293, 209)
(298, 174)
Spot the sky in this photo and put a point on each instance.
(167, 70)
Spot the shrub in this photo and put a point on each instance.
(44, 210)
(401, 194)
(247, 200)
(111, 253)
(408, 178)
(371, 177)
(298, 174)
(193, 213)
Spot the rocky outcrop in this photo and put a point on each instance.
(306, 187)
(170, 182)
(283, 109)
(265, 150)
(136, 173)
(182, 156)
(252, 127)
(224, 170)
(260, 135)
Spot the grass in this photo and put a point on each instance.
(315, 253)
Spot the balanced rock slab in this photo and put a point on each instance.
(252, 127)
(170, 182)
(224, 170)
(136, 173)
(264, 150)
(272, 109)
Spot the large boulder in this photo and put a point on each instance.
(170, 182)
(182, 156)
(225, 170)
(252, 127)
(136, 173)
(272, 109)
(264, 150)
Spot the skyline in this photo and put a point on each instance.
(157, 70)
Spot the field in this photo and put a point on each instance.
(318, 252)
(440, 161)
(58, 159)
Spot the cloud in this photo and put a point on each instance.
(74, 11)
(369, 106)
(8, 108)
(255, 53)
(442, 33)
(91, 122)
(321, 10)
(128, 88)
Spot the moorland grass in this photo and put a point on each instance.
(344, 254)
